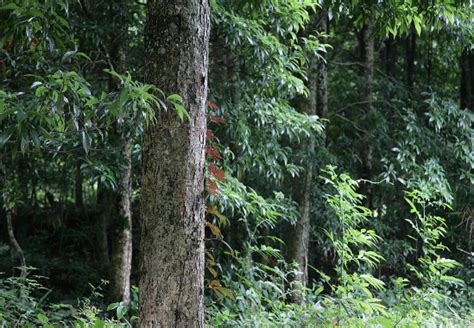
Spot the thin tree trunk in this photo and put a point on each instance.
(121, 257)
(121, 250)
(298, 241)
(467, 79)
(16, 250)
(172, 214)
(78, 194)
(322, 94)
(410, 52)
(367, 60)
(390, 55)
(238, 235)
(389, 58)
(105, 206)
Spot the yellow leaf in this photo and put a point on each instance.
(214, 229)
(212, 271)
(214, 283)
(211, 262)
(224, 292)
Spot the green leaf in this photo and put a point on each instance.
(42, 318)
(4, 137)
(10, 6)
(112, 306)
(86, 141)
(174, 98)
(181, 111)
(121, 310)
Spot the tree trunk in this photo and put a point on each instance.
(16, 251)
(467, 79)
(78, 194)
(121, 257)
(298, 241)
(390, 56)
(121, 250)
(105, 204)
(367, 64)
(322, 94)
(172, 214)
(410, 52)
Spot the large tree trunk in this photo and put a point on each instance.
(172, 214)
(366, 46)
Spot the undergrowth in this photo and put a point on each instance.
(431, 295)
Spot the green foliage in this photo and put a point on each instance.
(356, 299)
(68, 101)
(353, 245)
(24, 303)
(433, 268)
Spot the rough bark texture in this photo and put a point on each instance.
(467, 79)
(367, 60)
(172, 223)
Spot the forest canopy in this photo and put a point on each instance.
(236, 163)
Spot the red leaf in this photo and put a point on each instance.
(212, 105)
(212, 152)
(211, 189)
(209, 134)
(216, 172)
(209, 208)
(216, 120)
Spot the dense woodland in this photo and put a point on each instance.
(236, 163)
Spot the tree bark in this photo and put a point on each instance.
(410, 52)
(121, 257)
(121, 250)
(390, 61)
(172, 214)
(106, 207)
(298, 241)
(16, 250)
(322, 87)
(366, 44)
(78, 194)
(467, 79)
(390, 56)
